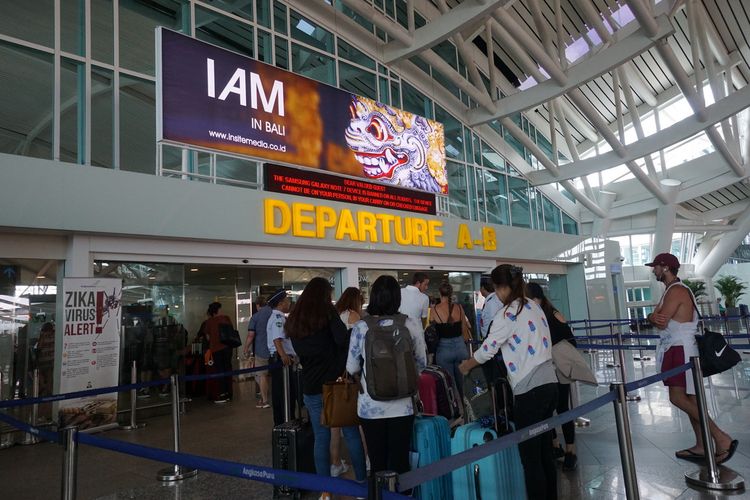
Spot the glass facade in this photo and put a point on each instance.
(106, 94)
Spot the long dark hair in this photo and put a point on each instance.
(385, 296)
(446, 290)
(512, 277)
(313, 310)
(350, 300)
(535, 291)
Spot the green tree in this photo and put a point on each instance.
(697, 287)
(731, 288)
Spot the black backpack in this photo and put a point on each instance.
(390, 369)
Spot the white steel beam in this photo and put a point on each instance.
(680, 131)
(665, 51)
(442, 28)
(533, 47)
(373, 15)
(725, 247)
(617, 54)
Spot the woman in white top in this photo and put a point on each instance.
(349, 306)
(519, 329)
(387, 425)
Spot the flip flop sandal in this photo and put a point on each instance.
(728, 453)
(688, 454)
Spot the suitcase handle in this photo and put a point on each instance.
(477, 488)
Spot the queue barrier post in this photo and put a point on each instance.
(623, 373)
(622, 421)
(28, 437)
(69, 463)
(385, 480)
(133, 400)
(711, 476)
(176, 472)
(614, 363)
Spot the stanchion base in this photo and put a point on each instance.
(176, 473)
(133, 427)
(29, 439)
(728, 479)
(582, 422)
(633, 398)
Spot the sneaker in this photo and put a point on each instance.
(265, 406)
(338, 469)
(558, 452)
(325, 496)
(570, 462)
(164, 392)
(143, 393)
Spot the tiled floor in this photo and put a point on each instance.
(240, 432)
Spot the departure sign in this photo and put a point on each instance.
(317, 184)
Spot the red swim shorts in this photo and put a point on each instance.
(674, 357)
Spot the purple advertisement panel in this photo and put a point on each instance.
(215, 99)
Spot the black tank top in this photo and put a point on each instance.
(448, 330)
(559, 330)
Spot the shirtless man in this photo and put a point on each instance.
(676, 318)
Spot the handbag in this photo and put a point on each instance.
(431, 338)
(229, 336)
(715, 354)
(340, 403)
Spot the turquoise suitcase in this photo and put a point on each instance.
(431, 442)
(498, 476)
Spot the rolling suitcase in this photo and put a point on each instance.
(438, 393)
(499, 476)
(431, 442)
(292, 445)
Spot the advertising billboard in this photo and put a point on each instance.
(215, 99)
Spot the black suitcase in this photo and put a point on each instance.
(292, 446)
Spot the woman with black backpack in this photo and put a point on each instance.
(389, 349)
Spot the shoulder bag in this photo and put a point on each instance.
(340, 403)
(715, 354)
(431, 335)
(229, 336)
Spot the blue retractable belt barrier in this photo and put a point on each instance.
(607, 347)
(80, 394)
(190, 378)
(46, 435)
(638, 384)
(300, 480)
(125, 387)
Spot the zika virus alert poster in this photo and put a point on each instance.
(215, 99)
(90, 349)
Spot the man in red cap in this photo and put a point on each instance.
(676, 317)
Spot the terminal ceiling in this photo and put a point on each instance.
(628, 58)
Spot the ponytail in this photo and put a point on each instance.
(512, 277)
(446, 290)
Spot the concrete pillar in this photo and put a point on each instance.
(665, 222)
(79, 263)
